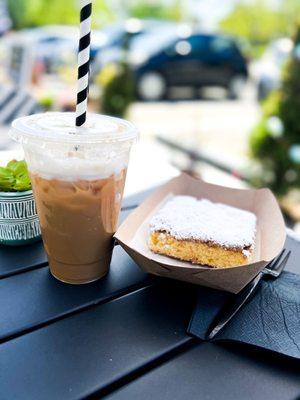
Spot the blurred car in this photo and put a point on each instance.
(267, 71)
(50, 36)
(120, 36)
(50, 47)
(38, 50)
(184, 58)
(68, 36)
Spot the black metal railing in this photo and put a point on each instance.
(198, 156)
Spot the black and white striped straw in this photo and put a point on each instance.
(83, 61)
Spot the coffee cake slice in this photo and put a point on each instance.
(203, 232)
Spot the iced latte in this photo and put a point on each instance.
(78, 179)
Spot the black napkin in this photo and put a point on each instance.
(270, 320)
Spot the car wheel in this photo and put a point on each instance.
(151, 86)
(236, 87)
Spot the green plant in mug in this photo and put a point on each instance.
(14, 177)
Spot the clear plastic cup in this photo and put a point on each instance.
(78, 177)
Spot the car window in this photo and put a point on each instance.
(223, 46)
(194, 44)
(199, 44)
(154, 42)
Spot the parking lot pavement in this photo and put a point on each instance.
(220, 126)
(217, 127)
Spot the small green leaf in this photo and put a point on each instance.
(19, 168)
(22, 183)
(15, 177)
(7, 180)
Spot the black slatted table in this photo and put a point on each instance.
(123, 337)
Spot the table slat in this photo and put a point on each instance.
(20, 259)
(15, 260)
(215, 372)
(293, 263)
(33, 298)
(86, 352)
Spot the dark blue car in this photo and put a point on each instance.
(195, 60)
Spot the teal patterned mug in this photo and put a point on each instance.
(19, 223)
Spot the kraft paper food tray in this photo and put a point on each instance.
(270, 237)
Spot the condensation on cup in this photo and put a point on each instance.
(78, 177)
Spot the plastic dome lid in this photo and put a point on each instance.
(60, 127)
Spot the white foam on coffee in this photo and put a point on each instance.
(72, 168)
(56, 149)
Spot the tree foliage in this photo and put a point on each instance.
(28, 13)
(290, 102)
(18, 12)
(259, 23)
(275, 142)
(156, 9)
(118, 91)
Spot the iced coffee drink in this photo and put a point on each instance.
(78, 219)
(78, 178)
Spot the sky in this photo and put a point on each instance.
(214, 10)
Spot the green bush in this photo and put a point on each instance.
(46, 102)
(30, 13)
(275, 141)
(259, 22)
(118, 90)
(173, 10)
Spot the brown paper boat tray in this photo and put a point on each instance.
(134, 232)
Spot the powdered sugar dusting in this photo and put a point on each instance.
(185, 217)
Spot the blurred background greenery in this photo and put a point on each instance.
(257, 22)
